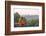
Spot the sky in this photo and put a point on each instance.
(26, 10)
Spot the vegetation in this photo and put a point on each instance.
(16, 17)
(22, 21)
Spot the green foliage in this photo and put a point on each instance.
(33, 22)
(30, 22)
(16, 17)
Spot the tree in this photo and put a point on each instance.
(16, 17)
(34, 22)
(22, 21)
